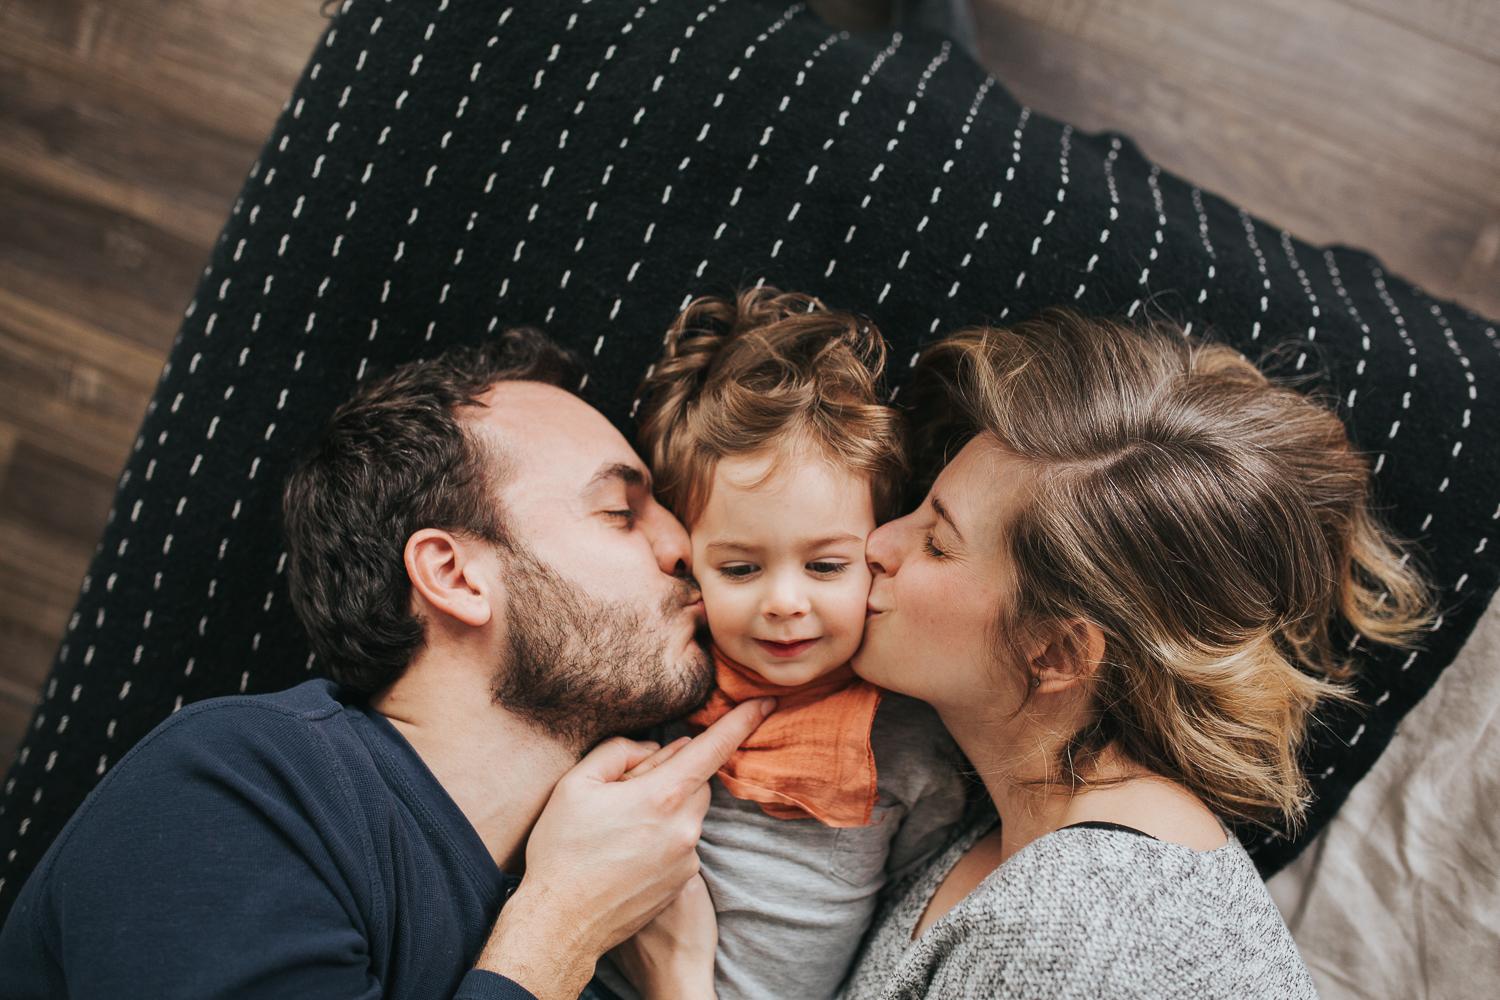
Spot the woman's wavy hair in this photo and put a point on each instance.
(1214, 525)
(769, 369)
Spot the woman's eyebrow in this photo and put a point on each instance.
(942, 512)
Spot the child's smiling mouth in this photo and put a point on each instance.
(786, 650)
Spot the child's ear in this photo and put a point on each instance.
(1070, 654)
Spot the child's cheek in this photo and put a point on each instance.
(849, 623)
(724, 606)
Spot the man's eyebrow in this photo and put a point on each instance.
(621, 471)
(942, 512)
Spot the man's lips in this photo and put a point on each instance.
(786, 650)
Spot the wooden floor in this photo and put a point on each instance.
(126, 127)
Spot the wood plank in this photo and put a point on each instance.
(1468, 25)
(16, 702)
(61, 388)
(227, 70)
(8, 436)
(854, 15)
(54, 564)
(257, 49)
(1297, 175)
(46, 490)
(71, 239)
(27, 165)
(72, 341)
(39, 576)
(1385, 91)
(105, 309)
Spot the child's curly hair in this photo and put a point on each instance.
(769, 369)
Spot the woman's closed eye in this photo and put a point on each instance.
(626, 517)
(931, 549)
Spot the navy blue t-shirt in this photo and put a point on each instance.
(286, 845)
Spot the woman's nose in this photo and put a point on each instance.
(883, 547)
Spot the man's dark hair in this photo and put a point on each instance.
(393, 460)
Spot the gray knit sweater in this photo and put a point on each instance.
(1087, 913)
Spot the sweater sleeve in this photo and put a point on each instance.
(480, 984)
(214, 861)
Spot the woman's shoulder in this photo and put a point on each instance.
(1125, 871)
(1094, 912)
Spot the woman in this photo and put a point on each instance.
(1124, 596)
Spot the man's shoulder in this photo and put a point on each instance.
(310, 701)
(302, 735)
(210, 723)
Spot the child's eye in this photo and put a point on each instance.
(827, 568)
(932, 549)
(738, 571)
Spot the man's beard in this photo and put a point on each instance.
(582, 670)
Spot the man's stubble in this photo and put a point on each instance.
(582, 669)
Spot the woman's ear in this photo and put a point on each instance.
(451, 575)
(1072, 654)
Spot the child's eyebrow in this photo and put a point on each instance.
(733, 546)
(814, 543)
(844, 536)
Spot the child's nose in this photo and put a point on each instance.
(785, 600)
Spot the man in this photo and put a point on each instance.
(481, 566)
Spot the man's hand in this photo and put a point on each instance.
(607, 855)
(672, 957)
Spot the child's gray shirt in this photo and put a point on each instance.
(794, 897)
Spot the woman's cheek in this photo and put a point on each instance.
(950, 613)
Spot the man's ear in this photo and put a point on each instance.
(1072, 654)
(451, 575)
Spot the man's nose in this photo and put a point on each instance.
(669, 540)
(883, 547)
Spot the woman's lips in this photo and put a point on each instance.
(785, 650)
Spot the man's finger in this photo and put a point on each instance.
(658, 758)
(611, 759)
(697, 762)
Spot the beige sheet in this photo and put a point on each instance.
(1400, 896)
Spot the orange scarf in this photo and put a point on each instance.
(812, 757)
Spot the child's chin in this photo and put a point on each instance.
(791, 674)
